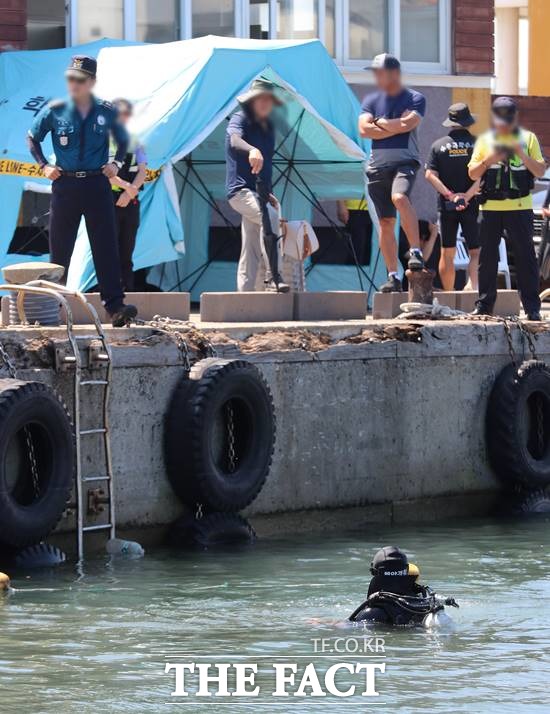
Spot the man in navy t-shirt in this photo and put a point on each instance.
(390, 117)
(249, 149)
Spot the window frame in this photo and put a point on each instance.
(442, 66)
(341, 30)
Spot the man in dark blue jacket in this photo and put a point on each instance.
(249, 149)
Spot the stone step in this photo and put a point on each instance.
(247, 307)
(273, 307)
(175, 305)
(388, 305)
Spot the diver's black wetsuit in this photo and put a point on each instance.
(396, 600)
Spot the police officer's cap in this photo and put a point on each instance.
(82, 67)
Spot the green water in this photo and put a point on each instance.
(100, 643)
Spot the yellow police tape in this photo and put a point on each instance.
(23, 168)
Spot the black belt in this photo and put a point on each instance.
(81, 174)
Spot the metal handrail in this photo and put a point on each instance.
(60, 293)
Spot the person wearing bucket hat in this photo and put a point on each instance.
(507, 159)
(249, 150)
(447, 172)
(390, 117)
(81, 127)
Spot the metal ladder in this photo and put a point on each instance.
(60, 293)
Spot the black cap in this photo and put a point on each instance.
(390, 561)
(385, 61)
(82, 67)
(460, 115)
(505, 110)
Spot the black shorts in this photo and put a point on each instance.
(449, 221)
(383, 183)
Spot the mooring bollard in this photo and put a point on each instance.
(421, 286)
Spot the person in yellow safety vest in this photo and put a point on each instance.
(354, 214)
(507, 159)
(126, 186)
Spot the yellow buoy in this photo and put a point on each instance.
(4, 583)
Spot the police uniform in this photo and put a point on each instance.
(127, 217)
(507, 208)
(449, 158)
(81, 146)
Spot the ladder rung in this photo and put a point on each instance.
(93, 431)
(93, 381)
(87, 337)
(101, 527)
(89, 479)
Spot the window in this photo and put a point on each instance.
(45, 24)
(259, 19)
(213, 17)
(368, 28)
(297, 19)
(417, 31)
(101, 18)
(157, 21)
(420, 30)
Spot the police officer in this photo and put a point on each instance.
(80, 128)
(126, 186)
(447, 171)
(507, 159)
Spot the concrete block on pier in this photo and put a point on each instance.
(339, 305)
(387, 305)
(247, 307)
(174, 305)
(508, 302)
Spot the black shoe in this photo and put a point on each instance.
(416, 261)
(272, 287)
(393, 285)
(534, 317)
(480, 310)
(124, 316)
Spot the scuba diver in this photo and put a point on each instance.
(395, 597)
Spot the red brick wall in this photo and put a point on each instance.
(473, 36)
(535, 116)
(13, 29)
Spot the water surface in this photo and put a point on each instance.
(100, 643)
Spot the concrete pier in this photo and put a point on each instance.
(384, 416)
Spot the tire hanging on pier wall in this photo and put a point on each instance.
(37, 457)
(220, 435)
(518, 425)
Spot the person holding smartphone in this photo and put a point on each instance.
(447, 172)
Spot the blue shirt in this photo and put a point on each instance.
(238, 171)
(401, 148)
(80, 144)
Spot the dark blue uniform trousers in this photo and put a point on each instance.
(91, 197)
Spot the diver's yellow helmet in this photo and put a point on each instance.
(4, 583)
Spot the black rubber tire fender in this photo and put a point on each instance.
(537, 502)
(510, 429)
(41, 555)
(192, 458)
(212, 530)
(27, 518)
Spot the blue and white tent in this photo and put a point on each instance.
(183, 93)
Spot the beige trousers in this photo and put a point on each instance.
(253, 254)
